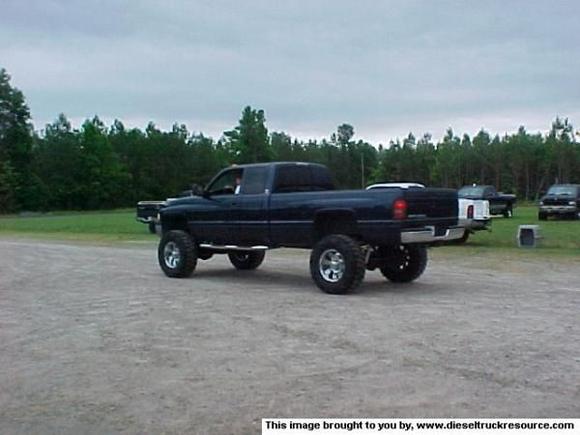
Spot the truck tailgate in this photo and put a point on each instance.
(432, 203)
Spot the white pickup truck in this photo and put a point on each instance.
(473, 214)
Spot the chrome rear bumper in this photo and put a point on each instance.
(427, 235)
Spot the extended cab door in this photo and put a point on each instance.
(216, 222)
(251, 209)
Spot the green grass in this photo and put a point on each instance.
(118, 225)
(561, 237)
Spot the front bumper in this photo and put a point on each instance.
(558, 209)
(427, 235)
(148, 219)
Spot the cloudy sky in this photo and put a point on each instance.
(387, 67)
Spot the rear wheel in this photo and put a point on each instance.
(152, 227)
(337, 264)
(177, 254)
(405, 263)
(542, 216)
(246, 260)
(509, 212)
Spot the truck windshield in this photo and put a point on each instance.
(470, 191)
(562, 190)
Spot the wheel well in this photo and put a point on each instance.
(335, 222)
(176, 222)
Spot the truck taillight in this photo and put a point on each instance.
(470, 212)
(400, 209)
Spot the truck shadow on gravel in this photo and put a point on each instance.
(414, 288)
(302, 283)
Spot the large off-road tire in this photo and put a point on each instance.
(337, 264)
(542, 216)
(177, 254)
(406, 263)
(246, 260)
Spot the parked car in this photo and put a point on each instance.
(295, 205)
(499, 203)
(562, 200)
(473, 214)
(147, 211)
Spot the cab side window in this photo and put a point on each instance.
(227, 183)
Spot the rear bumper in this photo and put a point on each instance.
(475, 224)
(427, 235)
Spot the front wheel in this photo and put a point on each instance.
(405, 263)
(337, 264)
(246, 260)
(177, 254)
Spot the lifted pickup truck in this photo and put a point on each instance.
(561, 200)
(473, 214)
(248, 209)
(499, 203)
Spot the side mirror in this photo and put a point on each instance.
(197, 190)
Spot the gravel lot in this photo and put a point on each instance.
(98, 340)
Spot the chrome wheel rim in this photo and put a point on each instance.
(171, 255)
(331, 265)
(404, 259)
(241, 256)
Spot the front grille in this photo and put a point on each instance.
(556, 201)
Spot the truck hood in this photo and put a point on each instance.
(185, 200)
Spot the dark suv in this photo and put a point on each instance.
(561, 200)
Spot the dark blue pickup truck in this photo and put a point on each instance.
(248, 209)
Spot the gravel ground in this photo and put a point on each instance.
(98, 340)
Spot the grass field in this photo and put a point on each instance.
(560, 237)
(113, 226)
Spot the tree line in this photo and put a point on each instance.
(97, 166)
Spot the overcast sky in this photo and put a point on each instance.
(386, 67)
